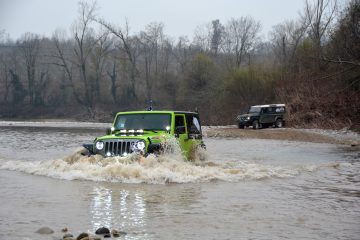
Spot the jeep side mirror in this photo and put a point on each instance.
(108, 131)
(180, 130)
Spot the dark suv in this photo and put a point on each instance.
(260, 116)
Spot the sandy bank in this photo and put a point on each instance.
(290, 134)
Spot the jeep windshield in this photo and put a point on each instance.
(142, 121)
(254, 109)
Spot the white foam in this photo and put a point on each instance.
(167, 168)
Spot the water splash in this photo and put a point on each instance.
(166, 168)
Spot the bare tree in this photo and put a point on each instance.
(63, 58)
(240, 37)
(208, 37)
(346, 37)
(4, 77)
(151, 41)
(84, 43)
(101, 50)
(41, 86)
(202, 37)
(18, 91)
(285, 38)
(165, 57)
(9, 65)
(113, 75)
(216, 36)
(127, 46)
(29, 46)
(319, 15)
(4, 67)
(181, 53)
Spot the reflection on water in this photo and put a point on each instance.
(142, 211)
(118, 209)
(101, 208)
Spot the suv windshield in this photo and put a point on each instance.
(254, 109)
(143, 121)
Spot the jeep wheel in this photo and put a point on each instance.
(241, 126)
(279, 123)
(256, 124)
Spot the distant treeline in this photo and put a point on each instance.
(311, 63)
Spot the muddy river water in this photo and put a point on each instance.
(244, 189)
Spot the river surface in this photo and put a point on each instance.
(244, 189)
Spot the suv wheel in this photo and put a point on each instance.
(279, 123)
(241, 126)
(256, 124)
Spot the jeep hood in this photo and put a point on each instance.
(147, 134)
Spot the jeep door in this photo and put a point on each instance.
(264, 115)
(194, 132)
(181, 134)
(272, 115)
(268, 115)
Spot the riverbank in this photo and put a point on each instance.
(345, 137)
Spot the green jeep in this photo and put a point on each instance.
(260, 116)
(145, 132)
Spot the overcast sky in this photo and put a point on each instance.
(180, 17)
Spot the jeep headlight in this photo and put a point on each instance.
(140, 145)
(248, 118)
(99, 145)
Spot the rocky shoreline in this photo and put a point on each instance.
(100, 233)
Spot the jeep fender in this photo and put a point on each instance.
(89, 147)
(283, 120)
(154, 148)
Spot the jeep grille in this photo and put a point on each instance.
(117, 147)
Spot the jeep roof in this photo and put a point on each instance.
(270, 105)
(159, 111)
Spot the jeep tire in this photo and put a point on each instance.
(279, 123)
(255, 124)
(241, 126)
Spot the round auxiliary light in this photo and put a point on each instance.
(140, 145)
(108, 154)
(99, 145)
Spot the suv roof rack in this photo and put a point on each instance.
(270, 105)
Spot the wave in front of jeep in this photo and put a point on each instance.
(166, 168)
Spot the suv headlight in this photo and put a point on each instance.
(99, 145)
(248, 118)
(140, 145)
